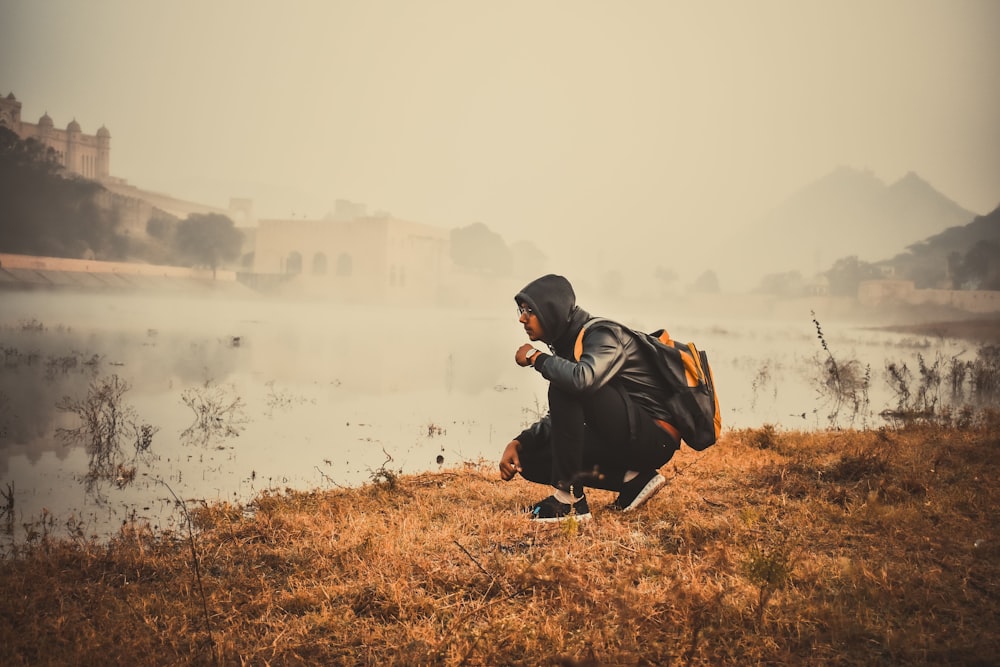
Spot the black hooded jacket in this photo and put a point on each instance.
(610, 352)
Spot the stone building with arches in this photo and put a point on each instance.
(86, 154)
(371, 258)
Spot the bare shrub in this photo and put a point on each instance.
(985, 375)
(760, 383)
(383, 477)
(958, 372)
(929, 389)
(899, 378)
(107, 427)
(766, 437)
(843, 386)
(7, 508)
(970, 385)
(218, 414)
(768, 569)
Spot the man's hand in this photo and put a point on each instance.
(510, 463)
(521, 356)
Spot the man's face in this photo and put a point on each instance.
(530, 322)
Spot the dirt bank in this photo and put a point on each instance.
(984, 330)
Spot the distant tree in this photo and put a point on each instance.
(787, 284)
(161, 227)
(665, 277)
(44, 210)
(27, 154)
(955, 268)
(928, 275)
(846, 274)
(979, 268)
(527, 259)
(207, 239)
(706, 283)
(665, 274)
(479, 249)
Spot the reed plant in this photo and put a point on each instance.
(947, 391)
(7, 508)
(842, 386)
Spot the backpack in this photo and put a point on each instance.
(688, 377)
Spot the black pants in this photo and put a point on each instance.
(595, 439)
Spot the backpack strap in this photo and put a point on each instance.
(578, 346)
(669, 428)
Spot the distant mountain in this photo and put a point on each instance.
(848, 212)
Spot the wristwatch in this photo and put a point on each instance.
(530, 356)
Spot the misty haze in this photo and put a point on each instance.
(314, 394)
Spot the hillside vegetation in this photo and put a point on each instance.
(47, 210)
(875, 547)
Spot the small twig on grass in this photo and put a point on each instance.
(680, 471)
(329, 479)
(197, 569)
(700, 616)
(461, 619)
(473, 559)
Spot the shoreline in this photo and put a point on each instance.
(982, 330)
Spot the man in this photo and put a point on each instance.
(606, 427)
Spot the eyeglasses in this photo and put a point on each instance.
(524, 310)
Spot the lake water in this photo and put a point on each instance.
(248, 395)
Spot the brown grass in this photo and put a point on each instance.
(772, 547)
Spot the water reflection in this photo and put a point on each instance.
(226, 399)
(109, 431)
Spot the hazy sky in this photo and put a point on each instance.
(541, 119)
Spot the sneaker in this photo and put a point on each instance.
(551, 510)
(637, 491)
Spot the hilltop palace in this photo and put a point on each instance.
(86, 154)
(349, 254)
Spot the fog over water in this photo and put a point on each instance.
(319, 394)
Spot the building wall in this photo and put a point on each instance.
(973, 301)
(371, 258)
(132, 213)
(8, 261)
(874, 293)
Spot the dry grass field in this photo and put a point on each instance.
(841, 547)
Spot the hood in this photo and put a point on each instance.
(552, 299)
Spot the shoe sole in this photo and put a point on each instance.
(557, 519)
(648, 491)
